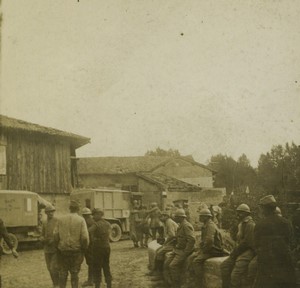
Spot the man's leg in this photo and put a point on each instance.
(77, 259)
(106, 267)
(226, 269)
(97, 268)
(153, 232)
(175, 269)
(197, 266)
(240, 269)
(54, 270)
(63, 264)
(252, 271)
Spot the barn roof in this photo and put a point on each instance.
(20, 125)
(169, 183)
(118, 165)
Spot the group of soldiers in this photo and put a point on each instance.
(149, 223)
(70, 238)
(261, 258)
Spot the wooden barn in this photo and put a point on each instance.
(36, 158)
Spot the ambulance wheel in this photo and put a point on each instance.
(14, 241)
(116, 232)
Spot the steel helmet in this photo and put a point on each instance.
(180, 213)
(243, 208)
(49, 208)
(205, 212)
(86, 211)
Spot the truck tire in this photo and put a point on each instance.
(116, 232)
(13, 239)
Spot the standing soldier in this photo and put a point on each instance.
(234, 269)
(155, 224)
(143, 230)
(73, 240)
(87, 215)
(187, 211)
(47, 239)
(272, 238)
(4, 235)
(211, 245)
(184, 247)
(134, 222)
(100, 232)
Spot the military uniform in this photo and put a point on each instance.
(272, 238)
(185, 241)
(73, 240)
(234, 268)
(50, 250)
(155, 224)
(100, 232)
(211, 245)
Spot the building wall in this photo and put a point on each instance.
(184, 170)
(37, 163)
(151, 192)
(122, 181)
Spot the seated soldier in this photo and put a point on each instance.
(211, 245)
(234, 268)
(170, 228)
(185, 241)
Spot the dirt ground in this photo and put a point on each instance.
(128, 266)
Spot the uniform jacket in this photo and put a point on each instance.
(72, 233)
(211, 238)
(185, 237)
(245, 236)
(170, 229)
(272, 239)
(154, 215)
(100, 232)
(48, 233)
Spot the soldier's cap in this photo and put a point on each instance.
(49, 208)
(74, 204)
(180, 213)
(268, 200)
(86, 211)
(97, 211)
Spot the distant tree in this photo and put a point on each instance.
(279, 170)
(161, 152)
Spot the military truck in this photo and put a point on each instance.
(115, 204)
(20, 211)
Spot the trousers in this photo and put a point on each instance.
(52, 266)
(235, 271)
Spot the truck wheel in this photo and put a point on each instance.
(116, 232)
(14, 241)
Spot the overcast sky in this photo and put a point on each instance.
(201, 76)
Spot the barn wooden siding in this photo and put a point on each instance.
(38, 163)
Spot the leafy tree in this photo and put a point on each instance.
(161, 152)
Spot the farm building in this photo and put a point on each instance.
(122, 172)
(36, 158)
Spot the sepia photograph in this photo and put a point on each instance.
(149, 144)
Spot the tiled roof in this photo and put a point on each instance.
(118, 165)
(169, 183)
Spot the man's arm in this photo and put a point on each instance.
(85, 240)
(190, 237)
(6, 238)
(208, 241)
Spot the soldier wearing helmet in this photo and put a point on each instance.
(272, 238)
(234, 269)
(47, 239)
(211, 245)
(156, 225)
(185, 241)
(87, 215)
